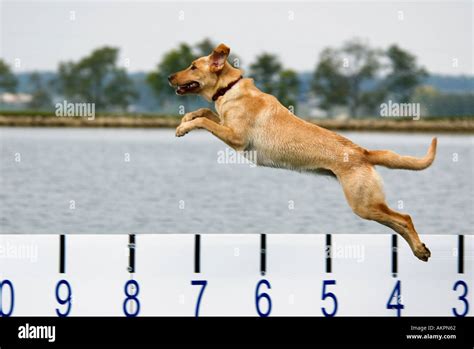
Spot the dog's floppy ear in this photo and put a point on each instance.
(218, 58)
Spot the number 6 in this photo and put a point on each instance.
(259, 296)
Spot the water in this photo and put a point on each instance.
(78, 181)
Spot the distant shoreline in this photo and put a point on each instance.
(445, 125)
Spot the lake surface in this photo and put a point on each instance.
(107, 181)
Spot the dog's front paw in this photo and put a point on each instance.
(194, 114)
(182, 129)
(188, 117)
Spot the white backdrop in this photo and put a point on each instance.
(96, 268)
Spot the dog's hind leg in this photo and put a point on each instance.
(363, 190)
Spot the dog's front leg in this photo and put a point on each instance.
(200, 113)
(224, 133)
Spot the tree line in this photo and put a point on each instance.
(354, 76)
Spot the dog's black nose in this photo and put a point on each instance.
(170, 77)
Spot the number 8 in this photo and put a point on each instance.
(131, 298)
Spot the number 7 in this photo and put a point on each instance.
(202, 283)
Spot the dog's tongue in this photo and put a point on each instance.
(181, 90)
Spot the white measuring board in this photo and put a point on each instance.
(295, 282)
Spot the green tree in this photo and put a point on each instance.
(364, 65)
(266, 71)
(118, 91)
(97, 78)
(8, 81)
(272, 78)
(341, 74)
(288, 87)
(352, 76)
(404, 74)
(41, 98)
(329, 83)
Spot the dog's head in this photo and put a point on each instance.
(206, 74)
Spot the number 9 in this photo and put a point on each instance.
(67, 300)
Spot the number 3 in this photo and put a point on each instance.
(461, 298)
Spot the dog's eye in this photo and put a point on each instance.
(193, 67)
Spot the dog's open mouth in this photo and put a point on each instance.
(187, 88)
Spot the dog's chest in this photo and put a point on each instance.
(264, 155)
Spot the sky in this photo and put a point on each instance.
(38, 35)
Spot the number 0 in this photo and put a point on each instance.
(12, 298)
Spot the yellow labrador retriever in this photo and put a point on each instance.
(248, 119)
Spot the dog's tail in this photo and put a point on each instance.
(390, 159)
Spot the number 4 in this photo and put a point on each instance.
(397, 294)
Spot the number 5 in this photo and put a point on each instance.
(329, 295)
